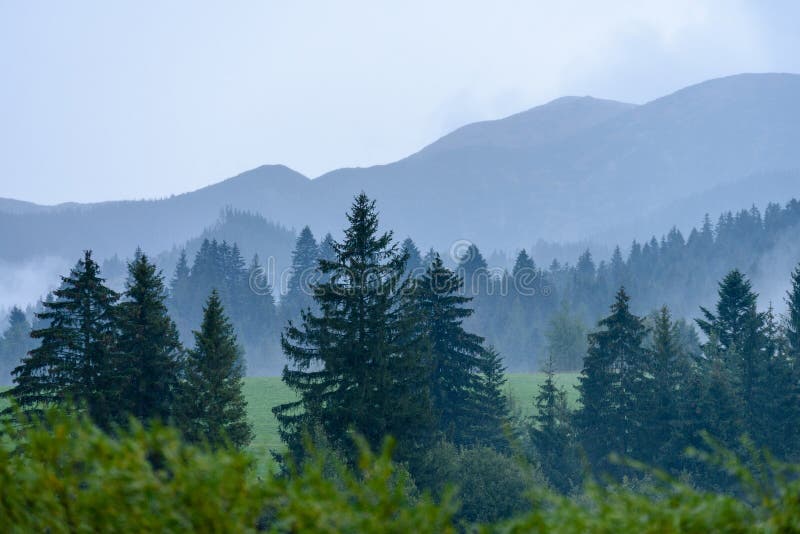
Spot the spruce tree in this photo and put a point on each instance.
(180, 294)
(15, 343)
(258, 321)
(613, 383)
(303, 274)
(350, 362)
(670, 369)
(414, 266)
(150, 349)
(738, 331)
(793, 317)
(77, 358)
(214, 409)
(493, 416)
(455, 354)
(551, 433)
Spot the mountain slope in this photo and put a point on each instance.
(568, 170)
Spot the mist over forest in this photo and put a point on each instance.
(311, 268)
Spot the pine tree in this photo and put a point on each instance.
(670, 374)
(180, 297)
(793, 317)
(734, 314)
(778, 394)
(259, 321)
(551, 433)
(473, 269)
(738, 330)
(350, 365)
(214, 409)
(15, 343)
(493, 415)
(414, 266)
(303, 274)
(77, 358)
(455, 355)
(613, 382)
(151, 351)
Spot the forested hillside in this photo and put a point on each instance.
(384, 348)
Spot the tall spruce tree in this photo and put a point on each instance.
(670, 370)
(15, 343)
(351, 365)
(78, 355)
(738, 331)
(613, 383)
(214, 409)
(150, 349)
(455, 354)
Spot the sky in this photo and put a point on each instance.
(120, 100)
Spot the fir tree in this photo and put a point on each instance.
(258, 321)
(613, 382)
(180, 297)
(493, 415)
(738, 330)
(214, 407)
(551, 433)
(350, 364)
(77, 358)
(15, 343)
(303, 274)
(523, 264)
(151, 351)
(670, 373)
(793, 317)
(414, 266)
(455, 355)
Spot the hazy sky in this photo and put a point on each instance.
(104, 100)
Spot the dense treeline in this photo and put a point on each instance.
(534, 310)
(118, 356)
(380, 342)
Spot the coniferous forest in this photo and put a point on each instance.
(400, 267)
(381, 344)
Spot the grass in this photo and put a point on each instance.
(262, 393)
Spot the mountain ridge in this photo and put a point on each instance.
(581, 168)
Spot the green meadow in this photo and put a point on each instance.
(262, 393)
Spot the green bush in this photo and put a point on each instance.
(62, 474)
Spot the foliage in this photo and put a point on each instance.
(14, 344)
(214, 409)
(63, 474)
(614, 385)
(77, 359)
(350, 362)
(148, 341)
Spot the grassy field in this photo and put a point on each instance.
(262, 393)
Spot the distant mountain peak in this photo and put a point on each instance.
(540, 125)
